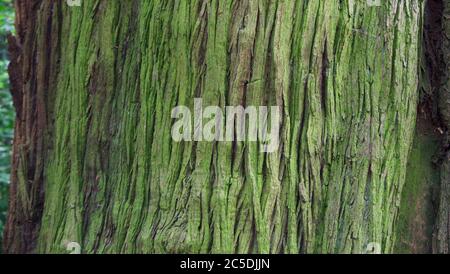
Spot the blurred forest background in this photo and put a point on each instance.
(6, 109)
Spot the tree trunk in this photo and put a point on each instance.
(442, 230)
(95, 163)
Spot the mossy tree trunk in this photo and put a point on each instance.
(94, 161)
(423, 225)
(441, 242)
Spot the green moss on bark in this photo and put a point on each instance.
(418, 205)
(344, 73)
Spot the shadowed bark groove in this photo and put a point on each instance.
(442, 228)
(420, 196)
(99, 139)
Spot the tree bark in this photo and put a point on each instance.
(442, 230)
(94, 161)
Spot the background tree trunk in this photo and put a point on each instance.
(442, 230)
(94, 161)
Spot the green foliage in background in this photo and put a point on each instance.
(6, 109)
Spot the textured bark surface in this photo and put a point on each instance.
(418, 205)
(442, 230)
(420, 198)
(94, 87)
